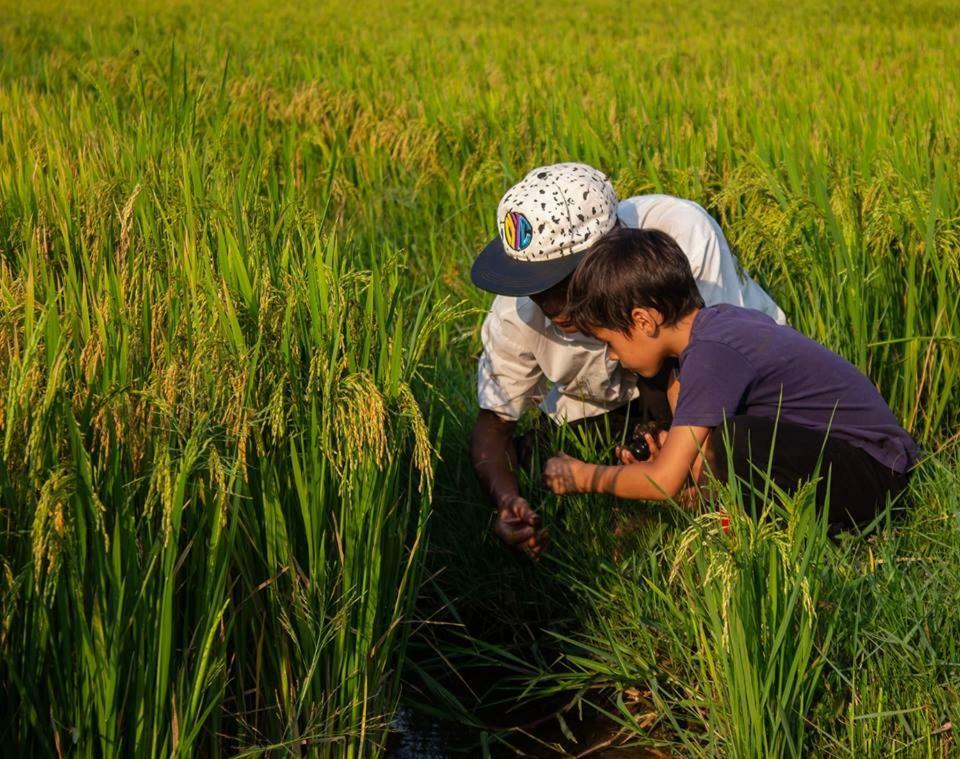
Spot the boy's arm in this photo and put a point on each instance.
(658, 480)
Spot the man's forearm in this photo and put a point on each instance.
(494, 457)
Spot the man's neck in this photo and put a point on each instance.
(677, 337)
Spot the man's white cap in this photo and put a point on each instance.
(545, 224)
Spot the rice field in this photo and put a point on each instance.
(237, 351)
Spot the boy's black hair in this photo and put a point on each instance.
(628, 269)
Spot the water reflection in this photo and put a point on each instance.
(415, 737)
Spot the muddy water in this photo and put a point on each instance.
(418, 737)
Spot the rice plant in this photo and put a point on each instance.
(236, 374)
(215, 465)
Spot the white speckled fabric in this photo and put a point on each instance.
(556, 211)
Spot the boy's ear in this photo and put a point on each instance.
(647, 320)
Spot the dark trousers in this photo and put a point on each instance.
(853, 485)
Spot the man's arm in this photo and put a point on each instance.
(509, 380)
(494, 458)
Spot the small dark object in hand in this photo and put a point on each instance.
(639, 448)
(637, 444)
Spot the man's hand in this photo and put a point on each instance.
(562, 474)
(494, 460)
(517, 526)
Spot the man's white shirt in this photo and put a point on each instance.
(526, 360)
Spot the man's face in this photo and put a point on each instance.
(560, 320)
(553, 303)
(640, 351)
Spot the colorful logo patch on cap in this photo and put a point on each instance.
(517, 231)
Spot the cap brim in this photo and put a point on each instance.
(495, 271)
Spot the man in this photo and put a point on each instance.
(533, 353)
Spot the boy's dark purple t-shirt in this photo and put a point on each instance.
(740, 361)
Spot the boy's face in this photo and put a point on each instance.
(642, 350)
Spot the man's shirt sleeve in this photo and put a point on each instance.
(713, 381)
(509, 378)
(701, 238)
(716, 270)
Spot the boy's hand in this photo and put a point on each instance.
(517, 524)
(653, 443)
(562, 474)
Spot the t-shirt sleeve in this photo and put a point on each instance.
(509, 378)
(713, 382)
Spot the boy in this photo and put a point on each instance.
(738, 367)
(533, 353)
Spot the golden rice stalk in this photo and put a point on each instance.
(708, 533)
(317, 374)
(422, 448)
(218, 479)
(125, 216)
(360, 426)
(276, 410)
(162, 485)
(51, 527)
